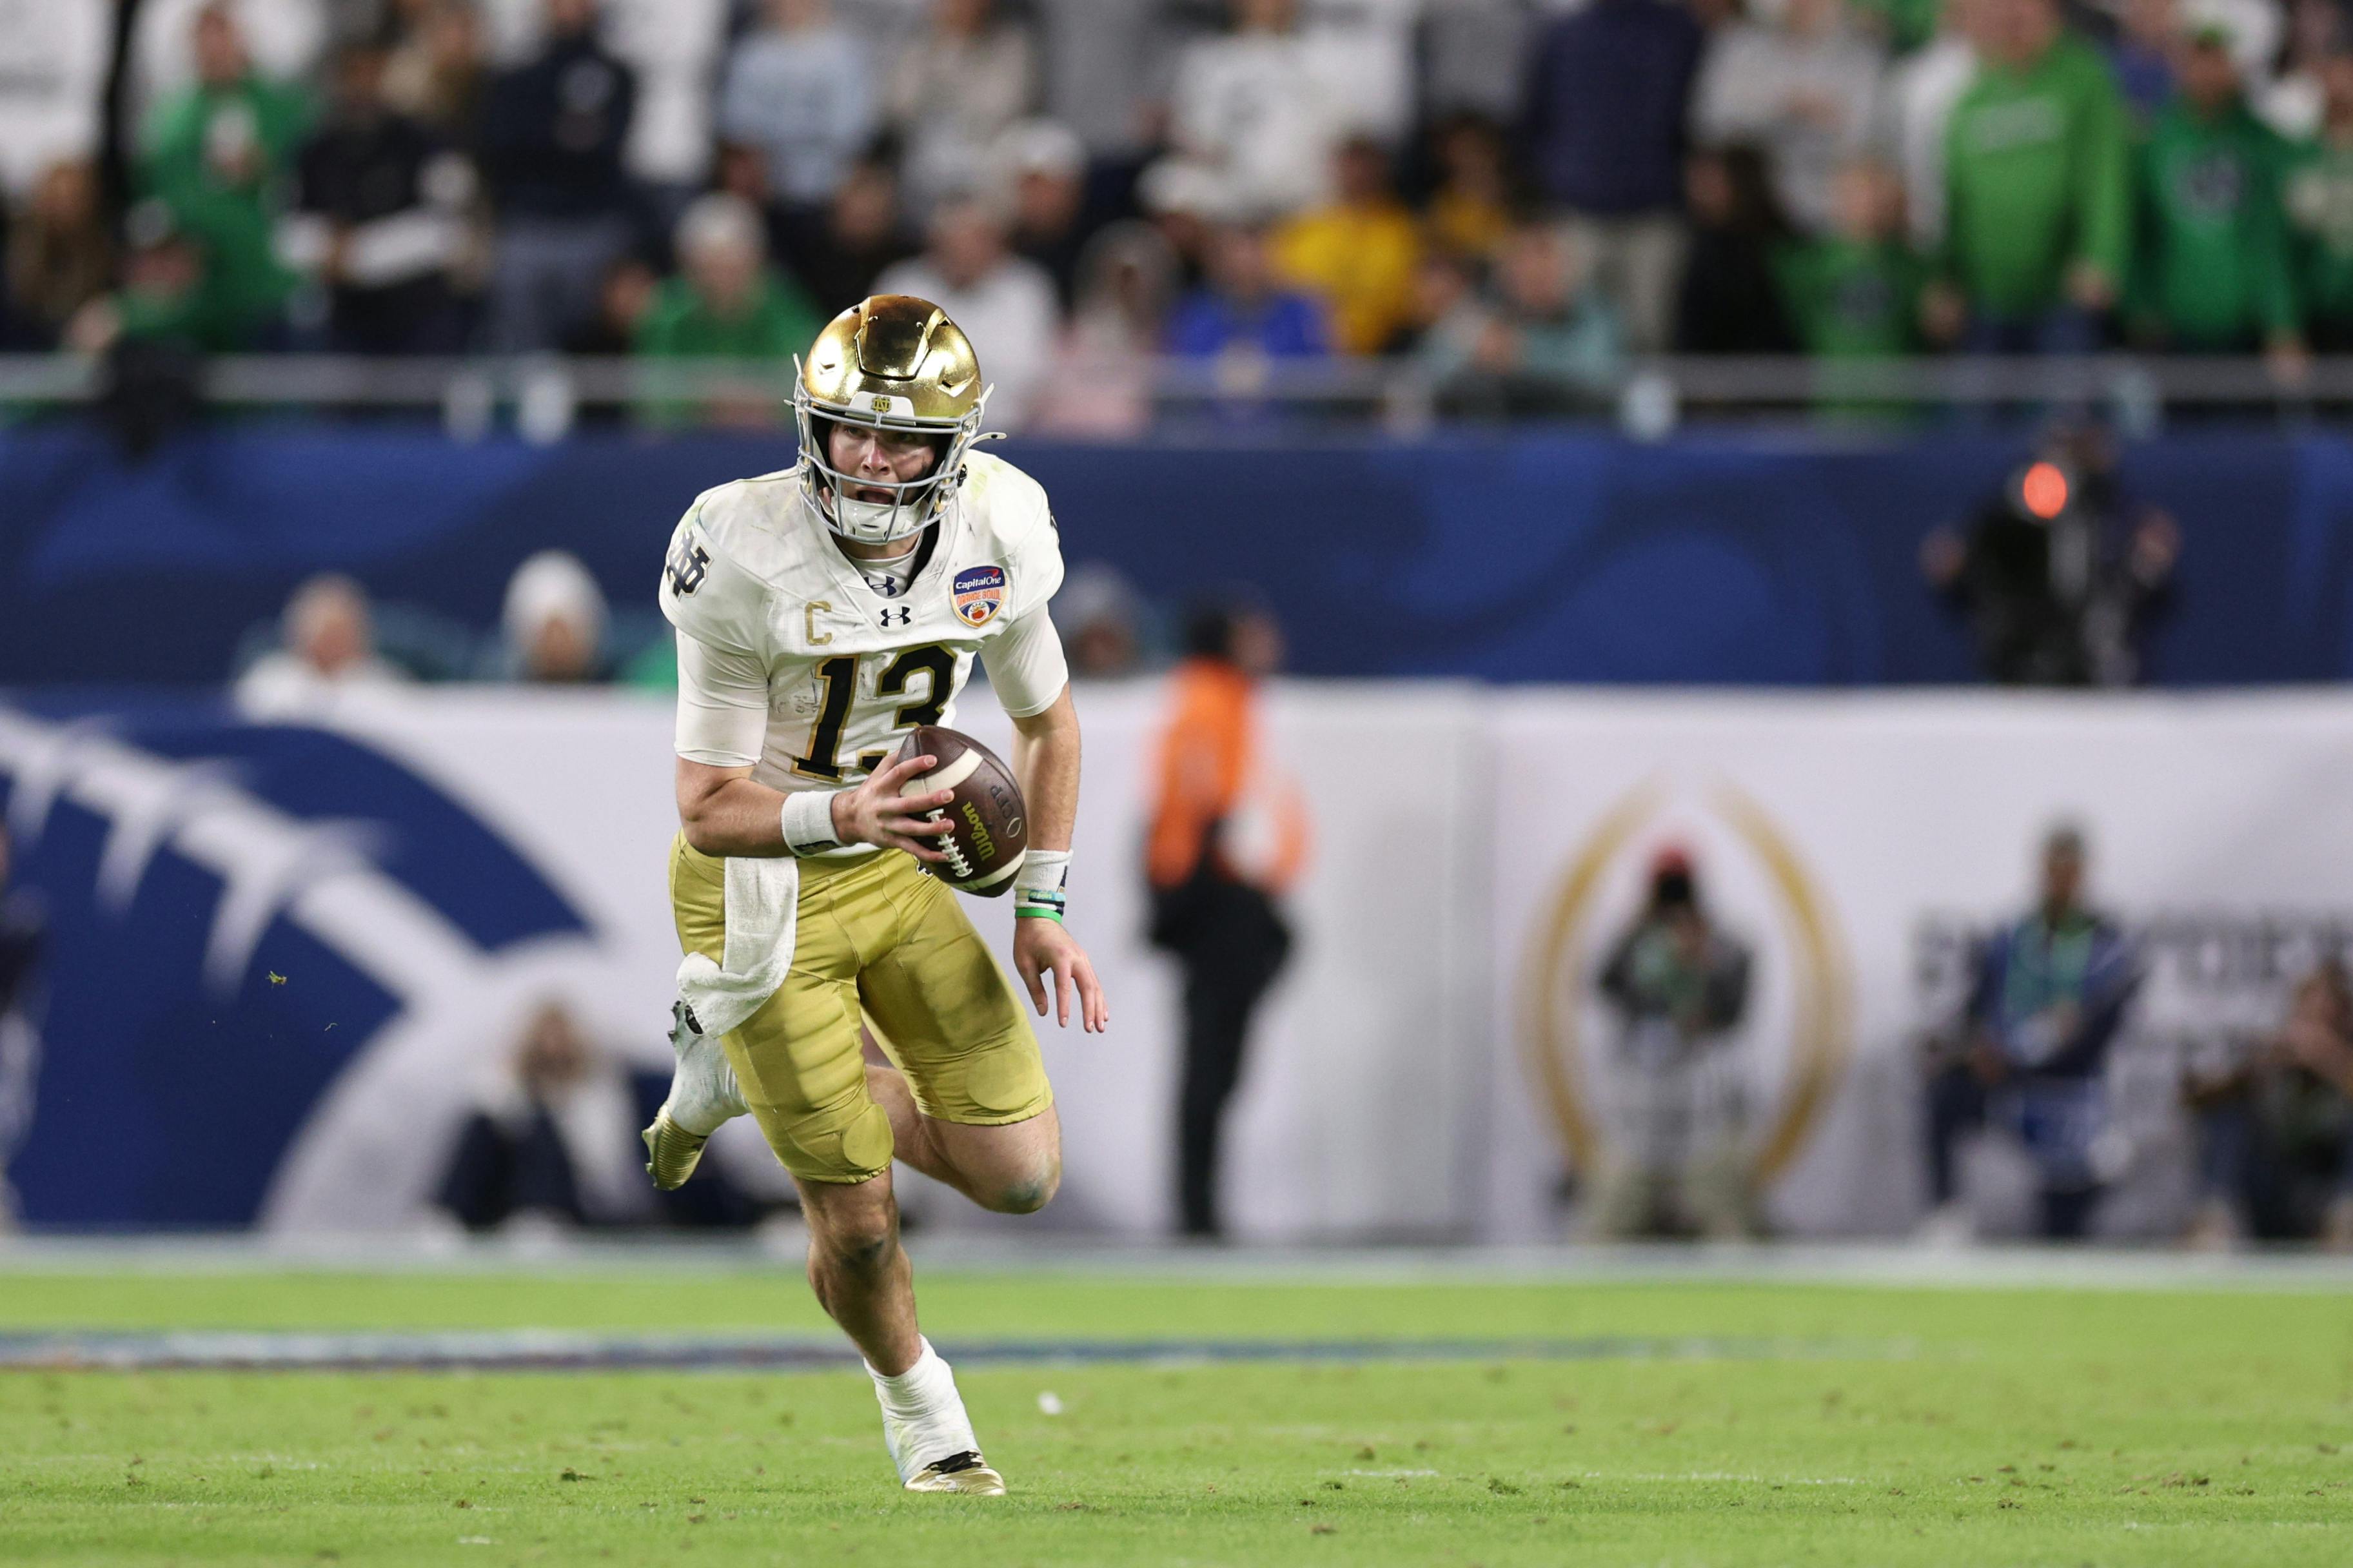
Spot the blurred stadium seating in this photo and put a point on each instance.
(1340, 208)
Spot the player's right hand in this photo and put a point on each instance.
(874, 812)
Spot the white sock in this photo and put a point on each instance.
(915, 1394)
(698, 1113)
(923, 1415)
(703, 1094)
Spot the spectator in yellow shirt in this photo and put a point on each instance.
(1359, 253)
(1471, 211)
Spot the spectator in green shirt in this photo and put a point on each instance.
(165, 296)
(1855, 294)
(726, 303)
(218, 153)
(2212, 274)
(2038, 182)
(2320, 215)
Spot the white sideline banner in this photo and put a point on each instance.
(1349, 1121)
(1432, 1061)
(1853, 842)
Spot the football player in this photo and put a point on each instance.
(822, 612)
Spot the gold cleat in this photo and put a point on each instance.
(968, 1473)
(672, 1152)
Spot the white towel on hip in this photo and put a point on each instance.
(763, 909)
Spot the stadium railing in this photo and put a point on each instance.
(543, 395)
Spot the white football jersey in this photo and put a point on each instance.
(753, 574)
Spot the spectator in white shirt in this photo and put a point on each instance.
(956, 88)
(1251, 105)
(1102, 79)
(327, 645)
(1004, 304)
(801, 90)
(554, 624)
(1804, 89)
(1361, 55)
(675, 47)
(52, 70)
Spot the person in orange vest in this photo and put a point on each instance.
(1228, 837)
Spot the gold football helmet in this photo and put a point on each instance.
(889, 363)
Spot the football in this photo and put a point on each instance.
(992, 826)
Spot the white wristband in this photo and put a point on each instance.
(1042, 871)
(808, 822)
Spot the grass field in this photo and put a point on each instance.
(1713, 1420)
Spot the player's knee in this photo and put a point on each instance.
(859, 1242)
(1029, 1192)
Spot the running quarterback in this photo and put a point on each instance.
(823, 613)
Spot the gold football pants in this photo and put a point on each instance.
(876, 940)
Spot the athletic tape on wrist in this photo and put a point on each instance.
(1038, 887)
(1042, 871)
(808, 822)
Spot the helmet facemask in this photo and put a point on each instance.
(915, 503)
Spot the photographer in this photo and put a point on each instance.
(2275, 1129)
(2060, 574)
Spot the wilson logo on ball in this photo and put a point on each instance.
(990, 838)
(981, 844)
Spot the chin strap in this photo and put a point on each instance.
(926, 512)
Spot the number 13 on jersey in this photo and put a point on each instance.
(911, 688)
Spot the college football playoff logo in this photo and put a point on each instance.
(1768, 891)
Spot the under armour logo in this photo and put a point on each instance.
(905, 612)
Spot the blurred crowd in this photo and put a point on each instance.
(557, 629)
(1517, 193)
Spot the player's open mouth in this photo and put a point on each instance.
(874, 493)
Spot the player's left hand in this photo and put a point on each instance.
(1041, 948)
